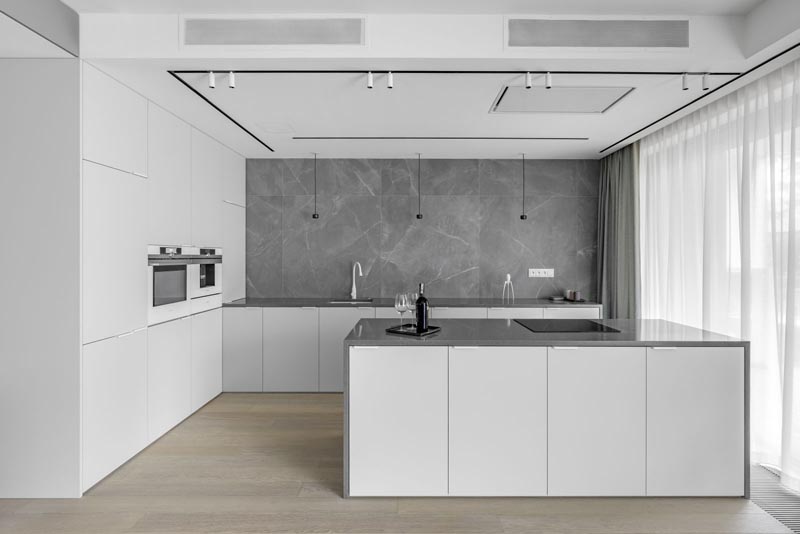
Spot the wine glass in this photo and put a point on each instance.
(412, 303)
(401, 305)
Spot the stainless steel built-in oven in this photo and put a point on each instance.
(205, 278)
(168, 283)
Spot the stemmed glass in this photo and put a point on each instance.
(412, 303)
(401, 305)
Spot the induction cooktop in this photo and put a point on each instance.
(564, 325)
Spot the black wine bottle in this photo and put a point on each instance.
(422, 311)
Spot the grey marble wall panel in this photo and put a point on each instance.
(469, 238)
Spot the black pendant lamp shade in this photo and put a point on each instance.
(524, 216)
(419, 186)
(315, 215)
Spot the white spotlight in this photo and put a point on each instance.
(685, 81)
(232, 80)
(528, 79)
(705, 81)
(389, 80)
(212, 80)
(370, 85)
(548, 81)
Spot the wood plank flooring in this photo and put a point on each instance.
(273, 463)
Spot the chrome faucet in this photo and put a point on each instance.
(353, 294)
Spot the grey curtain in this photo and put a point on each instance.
(618, 239)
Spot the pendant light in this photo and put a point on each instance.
(524, 216)
(419, 186)
(315, 214)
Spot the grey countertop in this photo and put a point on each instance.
(290, 302)
(495, 332)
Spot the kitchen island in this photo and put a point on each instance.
(487, 407)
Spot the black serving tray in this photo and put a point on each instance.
(410, 329)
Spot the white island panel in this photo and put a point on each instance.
(398, 421)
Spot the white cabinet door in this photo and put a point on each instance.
(291, 349)
(334, 325)
(168, 375)
(457, 313)
(572, 313)
(114, 123)
(206, 357)
(398, 421)
(206, 191)
(498, 421)
(241, 349)
(114, 404)
(696, 421)
(233, 179)
(515, 313)
(170, 178)
(233, 245)
(596, 407)
(390, 313)
(114, 252)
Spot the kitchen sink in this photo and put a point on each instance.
(350, 301)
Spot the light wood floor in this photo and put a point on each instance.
(273, 463)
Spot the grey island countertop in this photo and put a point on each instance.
(506, 332)
(332, 302)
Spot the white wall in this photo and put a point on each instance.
(39, 318)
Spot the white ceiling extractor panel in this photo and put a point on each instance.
(273, 31)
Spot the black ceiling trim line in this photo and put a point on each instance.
(423, 137)
(176, 75)
(701, 97)
(394, 71)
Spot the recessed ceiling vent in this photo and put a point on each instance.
(559, 99)
(524, 32)
(273, 31)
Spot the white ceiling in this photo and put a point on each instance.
(585, 7)
(17, 41)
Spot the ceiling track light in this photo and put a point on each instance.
(315, 215)
(419, 185)
(685, 81)
(524, 215)
(232, 80)
(706, 79)
(212, 80)
(389, 80)
(548, 81)
(528, 80)
(370, 81)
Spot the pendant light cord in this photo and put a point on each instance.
(315, 215)
(419, 185)
(524, 216)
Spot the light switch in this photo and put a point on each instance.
(541, 273)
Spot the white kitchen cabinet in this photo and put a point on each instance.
(572, 313)
(498, 421)
(169, 380)
(596, 421)
(241, 349)
(334, 325)
(114, 404)
(206, 191)
(391, 313)
(233, 177)
(114, 252)
(515, 313)
(397, 423)
(114, 123)
(206, 357)
(695, 421)
(169, 186)
(233, 245)
(290, 349)
(439, 312)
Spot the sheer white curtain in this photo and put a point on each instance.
(720, 237)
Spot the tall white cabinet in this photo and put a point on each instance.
(206, 193)
(695, 421)
(596, 420)
(169, 382)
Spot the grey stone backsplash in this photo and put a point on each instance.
(469, 238)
